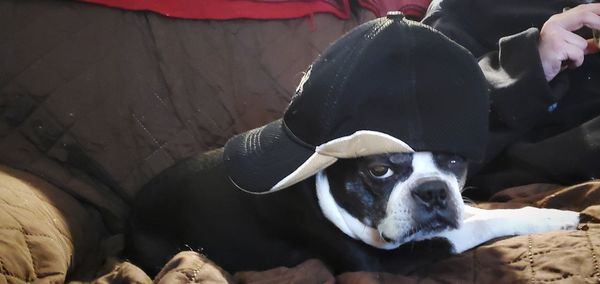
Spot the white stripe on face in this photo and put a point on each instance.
(399, 224)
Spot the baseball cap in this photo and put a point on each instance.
(388, 85)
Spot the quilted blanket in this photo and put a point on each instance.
(46, 236)
(44, 232)
(555, 257)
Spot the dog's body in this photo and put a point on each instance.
(354, 215)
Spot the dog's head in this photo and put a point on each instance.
(390, 199)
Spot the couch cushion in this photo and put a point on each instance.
(44, 232)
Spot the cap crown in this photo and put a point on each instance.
(398, 77)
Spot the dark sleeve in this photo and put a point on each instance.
(520, 96)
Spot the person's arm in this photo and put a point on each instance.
(523, 72)
(520, 95)
(519, 68)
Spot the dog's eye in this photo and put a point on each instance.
(451, 162)
(380, 171)
(454, 162)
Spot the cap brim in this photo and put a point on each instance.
(263, 159)
(267, 159)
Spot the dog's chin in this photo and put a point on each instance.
(423, 230)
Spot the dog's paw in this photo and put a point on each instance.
(538, 220)
(485, 225)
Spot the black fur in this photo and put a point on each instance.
(193, 205)
(360, 193)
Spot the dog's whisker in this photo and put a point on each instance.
(468, 201)
(468, 188)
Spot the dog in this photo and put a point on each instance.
(353, 215)
(370, 156)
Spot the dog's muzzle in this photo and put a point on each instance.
(434, 209)
(428, 206)
(431, 195)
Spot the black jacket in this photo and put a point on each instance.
(540, 131)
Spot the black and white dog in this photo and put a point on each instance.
(367, 157)
(353, 215)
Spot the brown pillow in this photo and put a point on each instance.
(45, 234)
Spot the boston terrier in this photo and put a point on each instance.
(354, 215)
(369, 157)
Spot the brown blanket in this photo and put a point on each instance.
(555, 257)
(44, 232)
(48, 236)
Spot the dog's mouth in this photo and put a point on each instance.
(421, 231)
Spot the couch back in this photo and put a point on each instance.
(98, 100)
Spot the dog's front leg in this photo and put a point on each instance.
(481, 225)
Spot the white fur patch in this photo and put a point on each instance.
(483, 225)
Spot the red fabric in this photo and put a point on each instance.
(264, 9)
(412, 8)
(233, 9)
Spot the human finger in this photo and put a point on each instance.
(578, 17)
(592, 47)
(573, 39)
(574, 55)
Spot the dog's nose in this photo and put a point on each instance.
(431, 194)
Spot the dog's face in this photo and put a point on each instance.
(390, 199)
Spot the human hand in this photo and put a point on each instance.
(559, 46)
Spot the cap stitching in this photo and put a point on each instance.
(356, 56)
(377, 28)
(336, 82)
(249, 141)
(295, 138)
(415, 133)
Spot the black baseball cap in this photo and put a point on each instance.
(388, 85)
